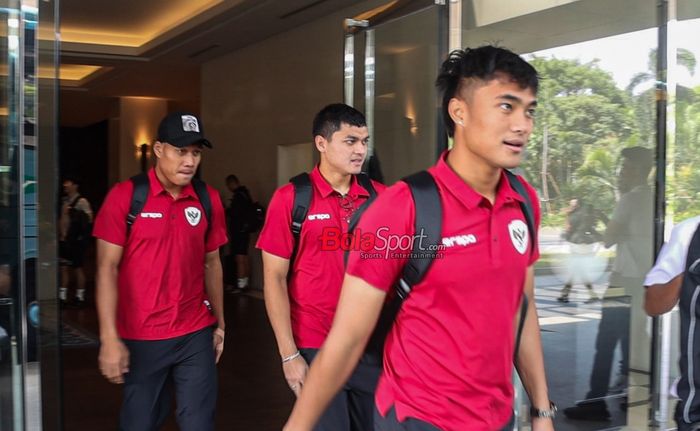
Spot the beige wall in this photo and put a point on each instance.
(264, 96)
(138, 124)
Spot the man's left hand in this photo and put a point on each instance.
(218, 339)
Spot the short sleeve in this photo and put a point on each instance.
(110, 223)
(381, 231)
(216, 237)
(672, 258)
(276, 235)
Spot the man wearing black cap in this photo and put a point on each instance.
(160, 287)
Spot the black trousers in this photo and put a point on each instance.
(186, 363)
(391, 423)
(353, 408)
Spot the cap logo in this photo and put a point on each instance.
(193, 215)
(518, 235)
(190, 123)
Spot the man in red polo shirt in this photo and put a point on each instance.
(301, 292)
(449, 356)
(160, 288)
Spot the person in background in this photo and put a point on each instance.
(239, 233)
(675, 279)
(74, 223)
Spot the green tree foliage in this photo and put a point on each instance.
(683, 187)
(583, 120)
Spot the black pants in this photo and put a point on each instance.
(353, 408)
(391, 423)
(185, 362)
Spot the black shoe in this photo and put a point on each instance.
(588, 411)
(564, 299)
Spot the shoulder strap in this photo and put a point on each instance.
(200, 188)
(526, 208)
(140, 194)
(138, 199)
(366, 182)
(302, 202)
(74, 202)
(428, 227)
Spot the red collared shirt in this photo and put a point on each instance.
(317, 271)
(161, 273)
(449, 356)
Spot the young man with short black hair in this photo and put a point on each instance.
(302, 278)
(448, 359)
(160, 286)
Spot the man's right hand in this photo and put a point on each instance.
(295, 373)
(114, 360)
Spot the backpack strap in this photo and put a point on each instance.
(525, 206)
(428, 224)
(528, 213)
(138, 199)
(140, 194)
(74, 202)
(302, 202)
(366, 182)
(200, 189)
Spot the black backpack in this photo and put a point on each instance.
(303, 192)
(80, 227)
(142, 186)
(426, 197)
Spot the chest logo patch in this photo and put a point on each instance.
(518, 235)
(193, 215)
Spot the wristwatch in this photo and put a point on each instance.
(537, 413)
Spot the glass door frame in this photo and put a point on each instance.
(365, 25)
(450, 37)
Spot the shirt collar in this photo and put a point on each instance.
(326, 190)
(464, 193)
(157, 188)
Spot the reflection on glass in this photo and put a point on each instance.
(682, 173)
(595, 103)
(590, 157)
(11, 340)
(403, 71)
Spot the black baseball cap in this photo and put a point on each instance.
(181, 129)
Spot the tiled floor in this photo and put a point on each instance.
(253, 396)
(252, 392)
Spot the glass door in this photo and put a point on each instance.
(591, 158)
(26, 127)
(392, 56)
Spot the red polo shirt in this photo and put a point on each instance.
(316, 274)
(161, 273)
(449, 357)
